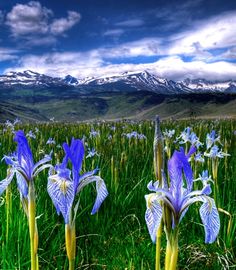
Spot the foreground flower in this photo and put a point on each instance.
(63, 186)
(21, 164)
(175, 199)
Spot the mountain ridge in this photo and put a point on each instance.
(126, 81)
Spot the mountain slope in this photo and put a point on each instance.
(11, 111)
(32, 96)
(123, 82)
(107, 105)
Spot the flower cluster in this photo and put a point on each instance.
(135, 134)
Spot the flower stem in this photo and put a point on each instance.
(8, 210)
(32, 226)
(158, 166)
(215, 172)
(158, 247)
(70, 244)
(174, 250)
(71, 264)
(168, 255)
(174, 258)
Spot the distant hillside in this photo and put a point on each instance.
(41, 105)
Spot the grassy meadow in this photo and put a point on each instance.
(117, 237)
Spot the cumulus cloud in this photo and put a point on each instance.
(175, 68)
(199, 43)
(208, 45)
(82, 65)
(59, 64)
(32, 20)
(216, 32)
(59, 26)
(28, 18)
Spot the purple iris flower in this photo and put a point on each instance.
(66, 184)
(178, 196)
(22, 165)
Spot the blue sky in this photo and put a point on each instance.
(172, 39)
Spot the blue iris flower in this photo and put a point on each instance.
(22, 165)
(211, 139)
(65, 184)
(188, 136)
(178, 196)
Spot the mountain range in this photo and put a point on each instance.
(128, 82)
(140, 95)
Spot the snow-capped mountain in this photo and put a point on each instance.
(26, 79)
(141, 81)
(202, 85)
(125, 82)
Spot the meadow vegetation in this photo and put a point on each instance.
(117, 237)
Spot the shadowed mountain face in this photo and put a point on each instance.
(35, 97)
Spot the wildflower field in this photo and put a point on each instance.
(117, 237)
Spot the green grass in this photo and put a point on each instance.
(116, 237)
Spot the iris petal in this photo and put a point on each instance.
(5, 182)
(210, 219)
(100, 188)
(153, 186)
(75, 152)
(25, 157)
(41, 168)
(153, 215)
(101, 194)
(46, 159)
(22, 184)
(88, 174)
(61, 191)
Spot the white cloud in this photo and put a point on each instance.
(230, 54)
(60, 64)
(39, 41)
(198, 43)
(28, 18)
(175, 68)
(32, 20)
(213, 33)
(90, 63)
(143, 47)
(59, 26)
(8, 54)
(113, 32)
